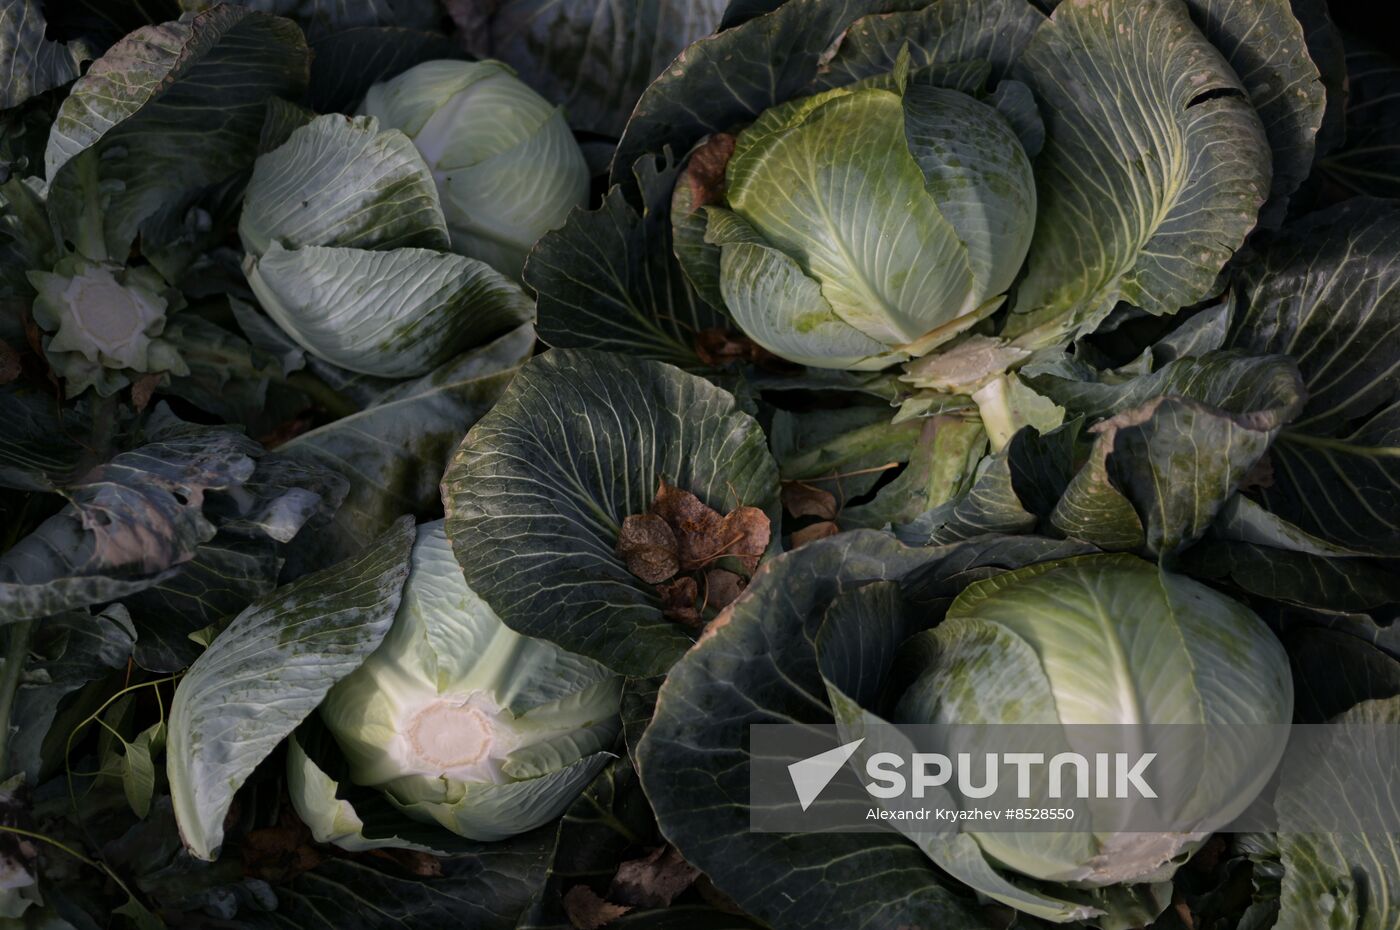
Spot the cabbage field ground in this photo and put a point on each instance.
(524, 465)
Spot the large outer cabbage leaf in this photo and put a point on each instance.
(267, 671)
(538, 491)
(168, 110)
(1154, 168)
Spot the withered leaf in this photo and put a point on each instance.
(719, 347)
(745, 533)
(696, 525)
(648, 547)
(587, 911)
(653, 880)
(10, 367)
(422, 864)
(706, 169)
(814, 532)
(143, 389)
(1261, 475)
(803, 500)
(280, 853)
(678, 600)
(722, 587)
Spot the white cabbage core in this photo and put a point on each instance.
(459, 737)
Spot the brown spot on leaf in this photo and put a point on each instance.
(653, 880)
(648, 547)
(804, 500)
(718, 623)
(722, 587)
(814, 532)
(705, 171)
(587, 911)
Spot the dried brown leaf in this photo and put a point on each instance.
(1259, 476)
(696, 525)
(648, 547)
(722, 587)
(678, 599)
(719, 347)
(286, 432)
(10, 366)
(705, 171)
(653, 880)
(587, 911)
(814, 532)
(280, 853)
(746, 532)
(143, 389)
(803, 500)
(421, 864)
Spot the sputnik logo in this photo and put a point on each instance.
(810, 776)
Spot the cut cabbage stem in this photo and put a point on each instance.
(941, 334)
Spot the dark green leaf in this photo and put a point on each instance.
(1327, 292)
(607, 819)
(68, 650)
(1173, 447)
(608, 280)
(1339, 879)
(486, 890)
(1295, 577)
(939, 33)
(1153, 171)
(393, 453)
(347, 62)
(592, 58)
(33, 63)
(729, 78)
(1369, 160)
(1334, 671)
(167, 110)
(42, 444)
(1266, 46)
(761, 667)
(538, 492)
(239, 564)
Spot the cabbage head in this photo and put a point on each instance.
(1110, 640)
(506, 164)
(869, 224)
(460, 721)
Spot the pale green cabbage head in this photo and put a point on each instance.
(1110, 639)
(867, 225)
(506, 164)
(463, 722)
